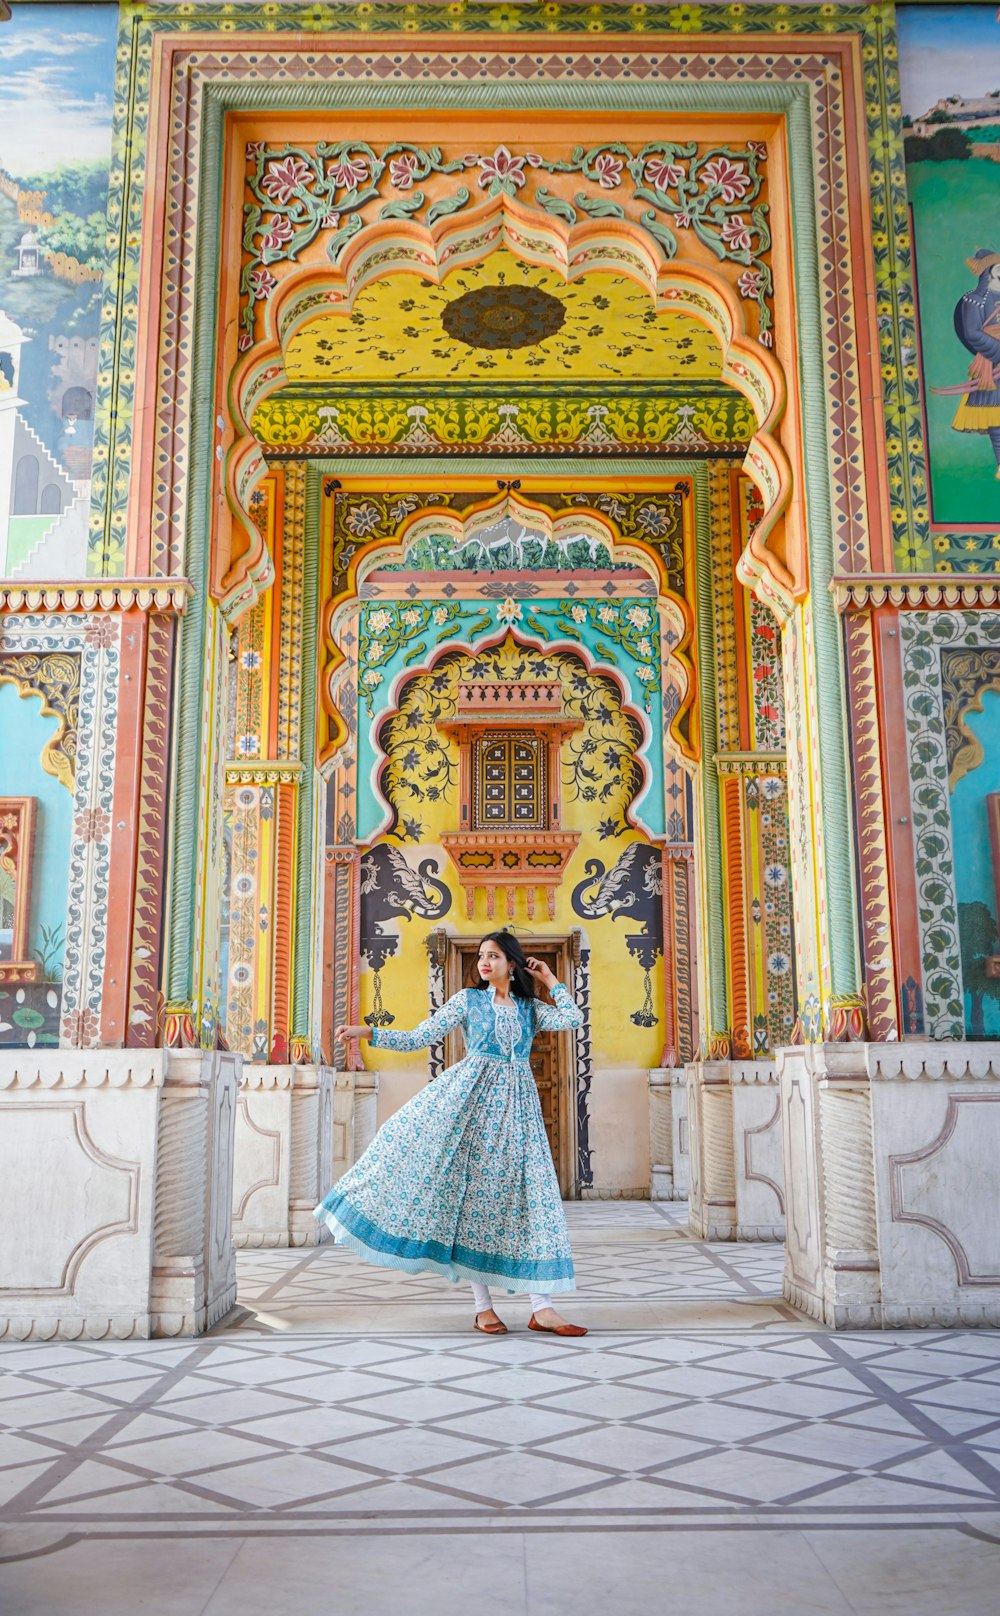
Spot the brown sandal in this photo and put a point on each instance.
(499, 1328)
(556, 1329)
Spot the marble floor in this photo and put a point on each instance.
(343, 1444)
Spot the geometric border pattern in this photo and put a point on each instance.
(923, 636)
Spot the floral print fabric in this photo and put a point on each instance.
(460, 1181)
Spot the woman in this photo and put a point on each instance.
(460, 1181)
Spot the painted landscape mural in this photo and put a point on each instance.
(950, 78)
(53, 227)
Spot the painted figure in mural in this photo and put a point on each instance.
(460, 1181)
(977, 325)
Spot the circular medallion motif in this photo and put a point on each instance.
(503, 317)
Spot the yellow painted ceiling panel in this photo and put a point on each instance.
(502, 320)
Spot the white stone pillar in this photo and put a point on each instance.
(893, 1193)
(713, 1166)
(193, 1281)
(343, 1125)
(831, 1248)
(736, 1169)
(758, 1163)
(365, 1122)
(668, 1143)
(115, 1192)
(284, 1154)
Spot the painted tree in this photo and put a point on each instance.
(979, 940)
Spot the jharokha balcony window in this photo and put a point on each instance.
(509, 737)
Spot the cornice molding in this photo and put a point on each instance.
(263, 773)
(868, 591)
(750, 762)
(163, 595)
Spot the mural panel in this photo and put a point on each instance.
(950, 80)
(56, 87)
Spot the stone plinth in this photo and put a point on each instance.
(736, 1176)
(285, 1132)
(115, 1192)
(894, 1196)
(364, 1115)
(757, 1153)
(668, 1134)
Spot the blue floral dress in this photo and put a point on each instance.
(460, 1181)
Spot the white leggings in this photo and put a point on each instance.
(483, 1300)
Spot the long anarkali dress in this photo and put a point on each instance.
(460, 1181)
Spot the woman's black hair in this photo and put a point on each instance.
(522, 983)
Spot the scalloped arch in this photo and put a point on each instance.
(395, 247)
(677, 615)
(526, 640)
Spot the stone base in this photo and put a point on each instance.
(285, 1144)
(115, 1192)
(736, 1170)
(894, 1197)
(669, 1176)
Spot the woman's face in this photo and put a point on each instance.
(494, 965)
(993, 284)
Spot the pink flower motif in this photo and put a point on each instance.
(749, 283)
(608, 170)
(503, 172)
(758, 147)
(279, 232)
(662, 173)
(245, 342)
(330, 221)
(283, 179)
(92, 825)
(349, 172)
(766, 340)
(403, 170)
(682, 220)
(81, 1029)
(262, 282)
(255, 147)
(731, 180)
(735, 235)
(100, 632)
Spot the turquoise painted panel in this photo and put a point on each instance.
(397, 637)
(977, 908)
(25, 732)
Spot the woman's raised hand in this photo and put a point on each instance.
(343, 1035)
(540, 971)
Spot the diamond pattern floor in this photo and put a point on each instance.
(343, 1409)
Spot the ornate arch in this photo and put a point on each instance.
(395, 246)
(668, 565)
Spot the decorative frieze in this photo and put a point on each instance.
(949, 591)
(98, 595)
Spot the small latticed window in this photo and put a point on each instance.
(509, 779)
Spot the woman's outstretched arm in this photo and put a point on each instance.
(450, 1016)
(559, 1016)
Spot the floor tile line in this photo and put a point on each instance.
(980, 1469)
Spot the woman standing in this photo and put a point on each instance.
(460, 1181)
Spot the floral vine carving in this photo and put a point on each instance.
(298, 194)
(600, 762)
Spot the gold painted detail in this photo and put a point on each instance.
(967, 675)
(55, 677)
(266, 772)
